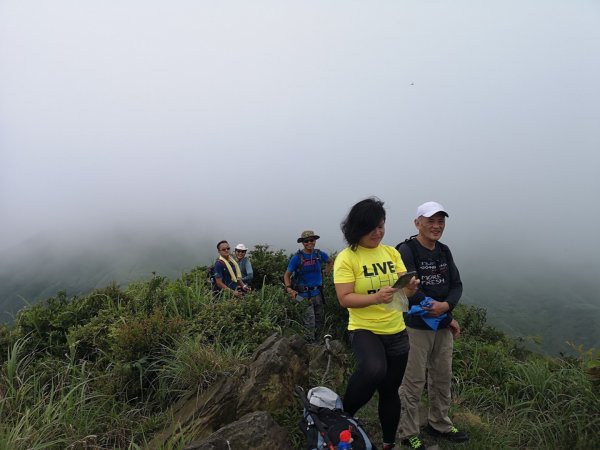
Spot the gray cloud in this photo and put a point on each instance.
(254, 123)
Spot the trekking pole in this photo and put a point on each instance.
(327, 338)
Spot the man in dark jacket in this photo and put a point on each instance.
(430, 350)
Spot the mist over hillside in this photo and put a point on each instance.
(548, 305)
(39, 268)
(536, 299)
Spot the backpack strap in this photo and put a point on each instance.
(408, 241)
(301, 257)
(298, 271)
(413, 248)
(412, 244)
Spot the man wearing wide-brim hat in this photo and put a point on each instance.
(304, 281)
(307, 235)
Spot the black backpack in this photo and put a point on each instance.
(324, 419)
(412, 244)
(210, 274)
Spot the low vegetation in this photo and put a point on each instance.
(102, 370)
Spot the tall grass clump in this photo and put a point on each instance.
(192, 364)
(49, 403)
(532, 401)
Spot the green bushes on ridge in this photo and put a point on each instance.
(101, 370)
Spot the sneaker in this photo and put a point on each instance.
(414, 442)
(454, 435)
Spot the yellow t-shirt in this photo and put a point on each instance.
(370, 269)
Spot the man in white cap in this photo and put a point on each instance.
(227, 274)
(430, 355)
(304, 281)
(244, 263)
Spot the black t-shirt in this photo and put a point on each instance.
(439, 277)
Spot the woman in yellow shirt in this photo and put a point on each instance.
(364, 274)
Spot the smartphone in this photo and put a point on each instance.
(404, 280)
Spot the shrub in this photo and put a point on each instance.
(134, 338)
(268, 266)
(91, 340)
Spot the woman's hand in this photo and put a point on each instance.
(349, 299)
(412, 287)
(385, 294)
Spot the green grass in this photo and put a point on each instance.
(103, 370)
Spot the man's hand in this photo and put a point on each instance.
(437, 308)
(454, 328)
(237, 293)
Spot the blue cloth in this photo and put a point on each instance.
(417, 310)
(310, 276)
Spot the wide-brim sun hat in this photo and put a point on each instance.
(308, 234)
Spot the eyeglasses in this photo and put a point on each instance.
(225, 248)
(241, 251)
(308, 241)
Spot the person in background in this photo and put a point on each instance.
(228, 276)
(430, 354)
(244, 263)
(303, 281)
(364, 274)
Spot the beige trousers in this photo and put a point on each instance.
(430, 355)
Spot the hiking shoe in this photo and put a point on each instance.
(388, 446)
(454, 435)
(414, 442)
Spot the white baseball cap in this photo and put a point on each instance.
(241, 247)
(428, 209)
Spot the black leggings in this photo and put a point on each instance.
(381, 364)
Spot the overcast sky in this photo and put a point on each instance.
(252, 121)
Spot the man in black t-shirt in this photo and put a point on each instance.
(430, 355)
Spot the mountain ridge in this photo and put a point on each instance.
(524, 300)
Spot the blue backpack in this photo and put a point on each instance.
(296, 276)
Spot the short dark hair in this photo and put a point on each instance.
(363, 218)
(221, 242)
